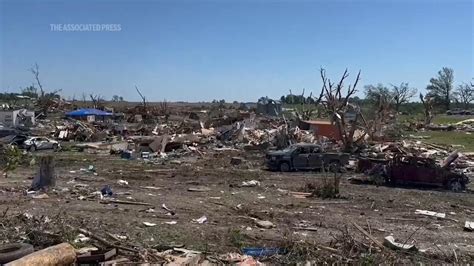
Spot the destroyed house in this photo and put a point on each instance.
(21, 117)
(269, 107)
(321, 128)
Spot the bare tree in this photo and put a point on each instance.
(427, 102)
(305, 112)
(402, 94)
(465, 94)
(382, 100)
(336, 103)
(116, 98)
(441, 87)
(378, 93)
(141, 96)
(35, 71)
(97, 101)
(84, 98)
(45, 100)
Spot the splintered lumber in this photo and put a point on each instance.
(373, 239)
(431, 213)
(105, 242)
(450, 159)
(62, 254)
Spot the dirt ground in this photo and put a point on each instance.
(231, 209)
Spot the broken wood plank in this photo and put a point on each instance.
(330, 249)
(199, 189)
(305, 228)
(404, 219)
(431, 213)
(373, 239)
(126, 202)
(121, 261)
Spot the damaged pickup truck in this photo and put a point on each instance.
(412, 170)
(425, 171)
(304, 156)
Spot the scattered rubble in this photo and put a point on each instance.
(469, 226)
(264, 224)
(121, 166)
(391, 243)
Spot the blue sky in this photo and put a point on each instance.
(233, 50)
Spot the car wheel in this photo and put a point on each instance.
(455, 186)
(14, 251)
(55, 147)
(32, 148)
(284, 167)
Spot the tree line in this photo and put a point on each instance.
(441, 92)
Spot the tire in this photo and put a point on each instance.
(455, 185)
(284, 167)
(55, 147)
(32, 148)
(14, 251)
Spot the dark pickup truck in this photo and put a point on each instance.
(305, 156)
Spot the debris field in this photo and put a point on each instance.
(193, 187)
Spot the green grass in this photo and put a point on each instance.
(449, 138)
(438, 119)
(449, 119)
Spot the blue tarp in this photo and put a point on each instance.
(86, 112)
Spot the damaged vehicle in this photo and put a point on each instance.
(305, 156)
(413, 170)
(424, 171)
(40, 143)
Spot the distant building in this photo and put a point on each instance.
(21, 117)
(321, 128)
(268, 106)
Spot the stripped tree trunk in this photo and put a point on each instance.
(46, 176)
(62, 254)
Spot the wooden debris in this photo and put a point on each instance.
(431, 213)
(62, 254)
(105, 242)
(96, 256)
(121, 261)
(305, 228)
(330, 249)
(373, 239)
(125, 202)
(149, 224)
(199, 189)
(167, 209)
